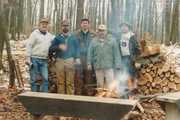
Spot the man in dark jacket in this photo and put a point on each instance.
(84, 37)
(129, 50)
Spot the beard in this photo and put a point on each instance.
(65, 30)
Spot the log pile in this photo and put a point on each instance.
(158, 77)
(18, 54)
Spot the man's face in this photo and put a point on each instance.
(43, 26)
(102, 33)
(85, 25)
(124, 29)
(65, 28)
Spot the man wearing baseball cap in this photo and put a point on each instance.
(65, 47)
(37, 53)
(104, 54)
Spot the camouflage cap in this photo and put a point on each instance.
(102, 27)
(46, 20)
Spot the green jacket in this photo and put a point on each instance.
(104, 56)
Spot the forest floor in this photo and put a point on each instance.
(10, 107)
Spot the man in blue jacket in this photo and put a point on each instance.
(65, 48)
(84, 37)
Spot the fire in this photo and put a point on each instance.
(111, 91)
(102, 92)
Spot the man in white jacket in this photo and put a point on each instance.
(37, 55)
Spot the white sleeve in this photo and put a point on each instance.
(29, 44)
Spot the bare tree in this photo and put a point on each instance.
(168, 21)
(41, 9)
(20, 17)
(29, 16)
(175, 21)
(4, 35)
(80, 12)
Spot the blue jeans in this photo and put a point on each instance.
(39, 67)
(128, 66)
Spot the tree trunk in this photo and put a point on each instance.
(29, 17)
(2, 32)
(80, 11)
(168, 21)
(20, 17)
(54, 15)
(41, 9)
(175, 20)
(4, 36)
(114, 20)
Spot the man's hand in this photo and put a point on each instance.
(77, 61)
(28, 61)
(137, 65)
(63, 47)
(118, 67)
(89, 67)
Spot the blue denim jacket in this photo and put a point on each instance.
(72, 44)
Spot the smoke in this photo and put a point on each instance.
(120, 84)
(121, 78)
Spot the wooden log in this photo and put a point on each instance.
(172, 86)
(176, 80)
(76, 106)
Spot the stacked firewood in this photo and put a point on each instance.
(158, 77)
(18, 55)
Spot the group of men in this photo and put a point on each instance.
(95, 56)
